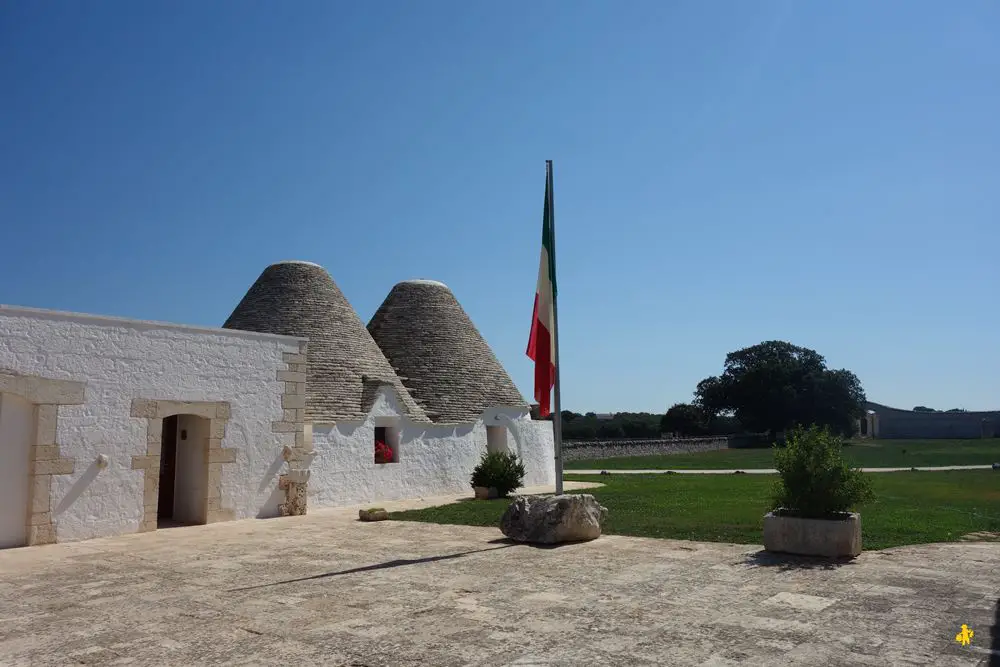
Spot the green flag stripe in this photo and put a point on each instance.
(547, 232)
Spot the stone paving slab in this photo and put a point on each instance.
(325, 589)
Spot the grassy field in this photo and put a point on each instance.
(910, 507)
(867, 454)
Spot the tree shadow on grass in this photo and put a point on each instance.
(369, 568)
(784, 562)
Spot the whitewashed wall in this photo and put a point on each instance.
(433, 459)
(120, 360)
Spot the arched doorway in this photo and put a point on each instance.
(194, 431)
(496, 439)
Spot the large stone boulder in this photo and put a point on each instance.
(553, 519)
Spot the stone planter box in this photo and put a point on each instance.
(373, 515)
(831, 538)
(484, 493)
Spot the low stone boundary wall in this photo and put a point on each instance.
(606, 449)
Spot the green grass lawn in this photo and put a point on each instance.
(867, 454)
(910, 507)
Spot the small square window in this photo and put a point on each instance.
(386, 444)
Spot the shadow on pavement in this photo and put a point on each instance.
(995, 632)
(369, 568)
(764, 558)
(514, 543)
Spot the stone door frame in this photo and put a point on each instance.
(216, 456)
(45, 459)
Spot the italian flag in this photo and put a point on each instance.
(542, 341)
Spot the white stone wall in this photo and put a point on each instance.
(433, 459)
(121, 360)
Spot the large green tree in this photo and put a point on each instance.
(685, 419)
(775, 385)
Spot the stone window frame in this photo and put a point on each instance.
(44, 458)
(216, 456)
(392, 436)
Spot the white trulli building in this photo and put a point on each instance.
(111, 426)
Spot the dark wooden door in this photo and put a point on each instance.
(168, 469)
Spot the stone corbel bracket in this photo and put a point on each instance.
(295, 484)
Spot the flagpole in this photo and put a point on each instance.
(557, 417)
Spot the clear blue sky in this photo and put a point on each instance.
(826, 173)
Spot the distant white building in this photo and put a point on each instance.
(111, 426)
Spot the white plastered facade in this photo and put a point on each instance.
(89, 396)
(433, 459)
(124, 377)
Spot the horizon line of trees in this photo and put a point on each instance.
(765, 388)
(636, 425)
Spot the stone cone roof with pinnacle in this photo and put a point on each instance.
(301, 299)
(446, 364)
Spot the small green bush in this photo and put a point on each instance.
(500, 470)
(815, 481)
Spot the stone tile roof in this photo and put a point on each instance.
(301, 299)
(436, 349)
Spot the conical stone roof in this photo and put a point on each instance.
(301, 299)
(446, 364)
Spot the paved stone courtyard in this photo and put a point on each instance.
(324, 589)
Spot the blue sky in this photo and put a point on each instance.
(725, 173)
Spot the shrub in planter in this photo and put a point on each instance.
(815, 481)
(815, 493)
(502, 471)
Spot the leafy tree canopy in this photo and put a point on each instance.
(684, 419)
(775, 385)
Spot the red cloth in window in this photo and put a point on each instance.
(383, 452)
